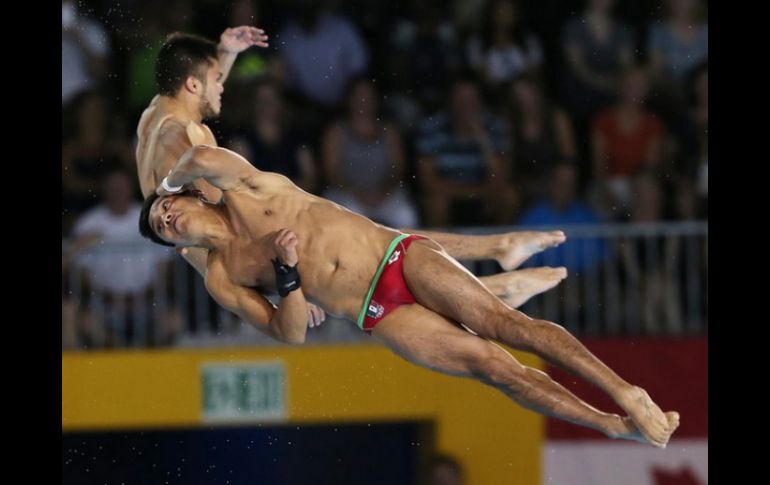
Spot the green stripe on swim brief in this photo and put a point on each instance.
(391, 248)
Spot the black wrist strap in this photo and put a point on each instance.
(286, 278)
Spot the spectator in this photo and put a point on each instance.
(700, 117)
(253, 63)
(693, 177)
(679, 43)
(461, 153)
(88, 152)
(120, 280)
(559, 208)
(503, 49)
(321, 52)
(85, 46)
(445, 470)
(542, 137)
(424, 56)
(677, 46)
(364, 161)
(596, 48)
(271, 144)
(626, 138)
(650, 263)
(158, 20)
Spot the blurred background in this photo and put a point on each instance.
(585, 116)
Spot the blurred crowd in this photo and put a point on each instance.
(420, 112)
(416, 114)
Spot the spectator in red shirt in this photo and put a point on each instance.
(626, 138)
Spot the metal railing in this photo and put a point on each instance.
(624, 280)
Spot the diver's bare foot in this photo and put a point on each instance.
(626, 429)
(519, 246)
(651, 422)
(516, 287)
(673, 422)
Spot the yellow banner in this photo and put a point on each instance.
(496, 440)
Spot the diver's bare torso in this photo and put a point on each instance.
(339, 251)
(155, 156)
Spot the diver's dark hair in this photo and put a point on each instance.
(181, 56)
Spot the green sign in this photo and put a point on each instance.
(243, 391)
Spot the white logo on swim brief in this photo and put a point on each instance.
(394, 256)
(375, 310)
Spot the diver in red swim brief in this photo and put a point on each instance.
(388, 289)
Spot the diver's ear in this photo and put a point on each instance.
(200, 195)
